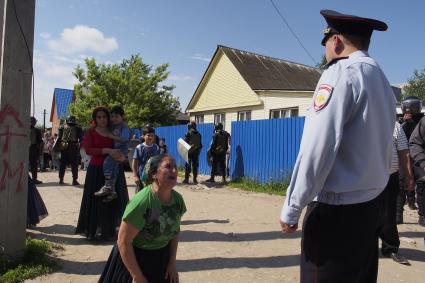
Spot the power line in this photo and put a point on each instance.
(29, 55)
(293, 33)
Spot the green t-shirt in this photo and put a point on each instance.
(158, 223)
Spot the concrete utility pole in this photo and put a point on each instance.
(16, 51)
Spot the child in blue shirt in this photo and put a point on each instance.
(120, 133)
(142, 153)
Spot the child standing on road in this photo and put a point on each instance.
(142, 153)
(120, 133)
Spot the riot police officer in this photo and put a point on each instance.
(218, 149)
(35, 149)
(411, 108)
(70, 136)
(194, 139)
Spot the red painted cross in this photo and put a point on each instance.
(7, 172)
(8, 134)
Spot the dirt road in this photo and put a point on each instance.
(227, 235)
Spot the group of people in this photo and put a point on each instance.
(346, 174)
(55, 151)
(218, 153)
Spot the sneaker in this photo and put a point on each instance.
(103, 192)
(75, 183)
(399, 258)
(37, 182)
(111, 196)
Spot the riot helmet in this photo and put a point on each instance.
(191, 125)
(411, 105)
(71, 120)
(33, 121)
(219, 127)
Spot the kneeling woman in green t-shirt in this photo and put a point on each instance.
(149, 233)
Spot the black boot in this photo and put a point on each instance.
(420, 187)
(75, 182)
(421, 221)
(399, 219)
(411, 200)
(61, 181)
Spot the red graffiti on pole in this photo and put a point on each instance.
(8, 172)
(10, 111)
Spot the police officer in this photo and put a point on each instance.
(36, 142)
(411, 107)
(194, 139)
(417, 149)
(218, 151)
(71, 135)
(344, 159)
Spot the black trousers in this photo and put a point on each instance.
(219, 161)
(34, 155)
(69, 156)
(389, 233)
(340, 242)
(193, 166)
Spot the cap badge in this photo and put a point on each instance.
(322, 97)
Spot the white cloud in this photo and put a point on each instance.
(45, 35)
(201, 57)
(180, 78)
(82, 38)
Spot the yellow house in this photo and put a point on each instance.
(240, 85)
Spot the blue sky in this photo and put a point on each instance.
(186, 33)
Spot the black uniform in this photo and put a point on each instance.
(34, 151)
(72, 135)
(194, 139)
(218, 151)
(416, 147)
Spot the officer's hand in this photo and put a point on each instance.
(286, 228)
(409, 184)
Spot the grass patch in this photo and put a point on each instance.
(274, 187)
(180, 171)
(37, 260)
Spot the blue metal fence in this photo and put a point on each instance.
(265, 150)
(173, 133)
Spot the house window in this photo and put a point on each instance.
(220, 118)
(284, 113)
(199, 119)
(244, 115)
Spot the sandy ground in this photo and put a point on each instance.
(227, 235)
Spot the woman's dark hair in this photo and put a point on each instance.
(152, 166)
(100, 109)
(117, 110)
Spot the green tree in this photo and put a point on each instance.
(322, 64)
(416, 85)
(132, 84)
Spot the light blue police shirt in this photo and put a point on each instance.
(346, 148)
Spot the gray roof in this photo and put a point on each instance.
(267, 73)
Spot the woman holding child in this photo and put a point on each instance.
(149, 233)
(99, 219)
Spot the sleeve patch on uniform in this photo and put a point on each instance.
(322, 97)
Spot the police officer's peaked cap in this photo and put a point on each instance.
(33, 119)
(349, 24)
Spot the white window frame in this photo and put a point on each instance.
(244, 115)
(199, 119)
(285, 112)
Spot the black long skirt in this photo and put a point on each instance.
(99, 220)
(153, 264)
(36, 209)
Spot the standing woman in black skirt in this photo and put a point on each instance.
(149, 233)
(99, 220)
